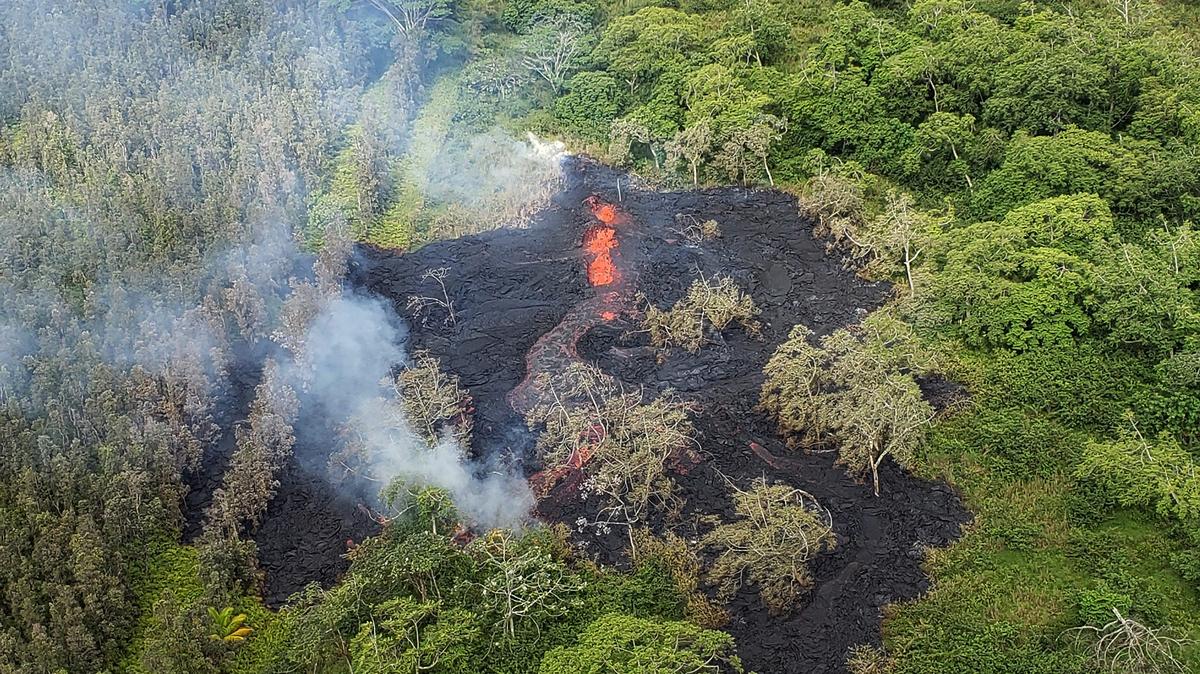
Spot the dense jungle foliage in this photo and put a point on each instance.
(180, 181)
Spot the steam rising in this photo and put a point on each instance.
(217, 142)
(353, 345)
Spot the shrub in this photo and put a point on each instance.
(1095, 605)
(626, 645)
(778, 531)
(708, 303)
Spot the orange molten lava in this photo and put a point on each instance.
(608, 315)
(579, 457)
(599, 241)
(604, 212)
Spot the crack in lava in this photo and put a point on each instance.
(556, 349)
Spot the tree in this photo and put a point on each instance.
(264, 445)
(692, 145)
(1144, 300)
(779, 530)
(856, 388)
(621, 442)
(410, 17)
(178, 641)
(1025, 282)
(553, 46)
(881, 419)
(1158, 474)
(762, 134)
(715, 303)
(522, 585)
(592, 101)
(406, 635)
(627, 645)
(762, 25)
(901, 232)
(433, 400)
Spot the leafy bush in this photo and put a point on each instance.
(779, 530)
(627, 645)
(1155, 474)
(714, 304)
(1095, 605)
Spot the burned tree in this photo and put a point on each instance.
(434, 401)
(778, 531)
(715, 303)
(622, 442)
(420, 303)
(856, 389)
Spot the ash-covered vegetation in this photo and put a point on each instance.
(745, 474)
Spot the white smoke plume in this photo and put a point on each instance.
(352, 347)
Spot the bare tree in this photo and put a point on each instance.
(411, 16)
(1126, 646)
(419, 303)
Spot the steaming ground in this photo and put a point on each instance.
(510, 287)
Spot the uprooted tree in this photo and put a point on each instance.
(709, 305)
(1125, 646)
(778, 531)
(856, 388)
(622, 442)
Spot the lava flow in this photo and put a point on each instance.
(556, 350)
(599, 241)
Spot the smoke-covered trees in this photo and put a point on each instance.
(434, 400)
(854, 388)
(264, 444)
(502, 603)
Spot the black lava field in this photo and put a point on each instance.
(509, 287)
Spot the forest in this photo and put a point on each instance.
(195, 194)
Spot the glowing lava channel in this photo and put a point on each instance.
(556, 350)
